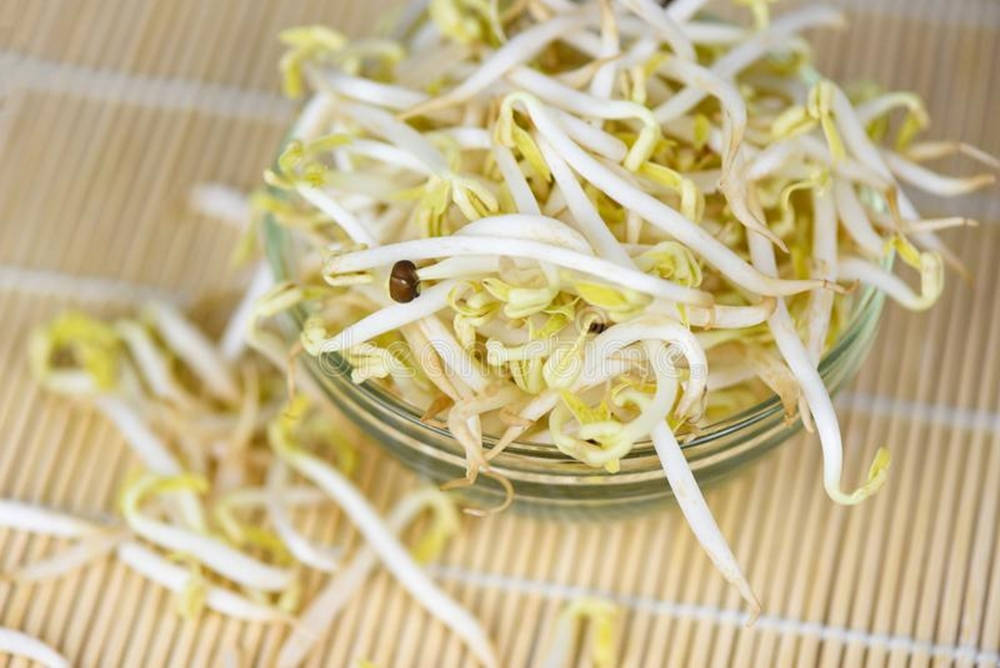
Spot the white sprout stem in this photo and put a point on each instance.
(741, 57)
(775, 156)
(397, 132)
(847, 168)
(394, 555)
(930, 150)
(520, 49)
(504, 333)
(665, 26)
(21, 644)
(426, 249)
(464, 370)
(697, 513)
(583, 211)
(934, 224)
(569, 99)
(932, 182)
(711, 33)
(87, 549)
(291, 496)
(25, 516)
(855, 136)
(315, 556)
(721, 377)
(212, 552)
(639, 54)
(391, 96)
(592, 137)
(177, 578)
(541, 229)
(603, 83)
(150, 449)
(824, 256)
(556, 203)
(390, 318)
(513, 177)
(561, 6)
(233, 341)
(324, 608)
(198, 352)
(222, 203)
(547, 400)
(733, 107)
(772, 158)
(497, 353)
(871, 109)
(340, 215)
(531, 413)
(861, 145)
(466, 136)
(459, 267)
(855, 220)
(683, 10)
(852, 268)
(732, 317)
(314, 116)
(647, 327)
(384, 152)
(430, 362)
(657, 213)
(465, 424)
(152, 364)
(409, 14)
(654, 411)
(814, 391)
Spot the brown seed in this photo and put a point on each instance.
(597, 327)
(404, 284)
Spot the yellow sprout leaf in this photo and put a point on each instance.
(74, 341)
(702, 129)
(191, 598)
(792, 122)
(583, 413)
(444, 524)
(673, 261)
(819, 106)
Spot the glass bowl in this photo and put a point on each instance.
(545, 481)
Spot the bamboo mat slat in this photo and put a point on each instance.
(110, 110)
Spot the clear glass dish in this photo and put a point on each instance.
(547, 482)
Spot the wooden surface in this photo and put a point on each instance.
(111, 109)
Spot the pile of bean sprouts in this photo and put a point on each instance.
(588, 225)
(595, 224)
(225, 459)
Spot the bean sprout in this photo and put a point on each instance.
(21, 644)
(549, 220)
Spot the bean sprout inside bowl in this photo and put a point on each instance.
(546, 481)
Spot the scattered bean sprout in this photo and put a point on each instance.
(21, 644)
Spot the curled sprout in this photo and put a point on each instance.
(601, 616)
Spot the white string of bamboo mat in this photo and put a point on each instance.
(20, 71)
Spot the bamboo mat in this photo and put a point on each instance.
(111, 109)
